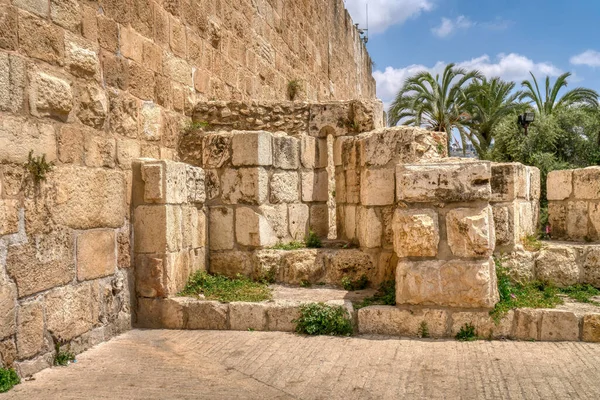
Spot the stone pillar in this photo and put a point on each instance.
(444, 235)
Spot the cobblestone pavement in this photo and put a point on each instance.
(158, 364)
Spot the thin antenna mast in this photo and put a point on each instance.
(367, 37)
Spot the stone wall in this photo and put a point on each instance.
(574, 204)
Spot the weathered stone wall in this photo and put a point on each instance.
(574, 204)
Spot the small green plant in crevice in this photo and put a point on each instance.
(196, 126)
(62, 357)
(581, 293)
(8, 379)
(293, 245)
(466, 333)
(313, 241)
(323, 319)
(267, 276)
(351, 124)
(355, 284)
(294, 88)
(385, 296)
(531, 243)
(305, 283)
(423, 331)
(226, 290)
(38, 167)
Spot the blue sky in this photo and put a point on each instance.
(508, 38)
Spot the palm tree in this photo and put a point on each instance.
(489, 101)
(437, 105)
(551, 102)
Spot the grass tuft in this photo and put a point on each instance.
(582, 293)
(226, 290)
(8, 379)
(313, 241)
(531, 243)
(423, 330)
(466, 333)
(63, 358)
(293, 245)
(356, 284)
(385, 296)
(323, 319)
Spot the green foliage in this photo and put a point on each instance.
(38, 167)
(355, 284)
(305, 283)
(386, 296)
(294, 87)
(221, 288)
(423, 330)
(267, 276)
(582, 293)
(62, 357)
(293, 245)
(313, 241)
(196, 126)
(323, 319)
(531, 243)
(466, 333)
(8, 379)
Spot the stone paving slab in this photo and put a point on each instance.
(159, 364)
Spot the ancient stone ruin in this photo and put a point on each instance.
(142, 141)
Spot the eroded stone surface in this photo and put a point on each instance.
(416, 233)
(471, 232)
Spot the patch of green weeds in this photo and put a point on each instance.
(293, 245)
(196, 126)
(423, 331)
(226, 290)
(531, 243)
(385, 296)
(267, 276)
(355, 284)
(294, 88)
(63, 357)
(313, 241)
(38, 167)
(323, 319)
(305, 283)
(581, 293)
(466, 333)
(8, 379)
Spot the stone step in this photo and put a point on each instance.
(571, 321)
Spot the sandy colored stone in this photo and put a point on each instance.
(247, 316)
(368, 228)
(286, 152)
(100, 151)
(466, 284)
(30, 329)
(28, 368)
(9, 217)
(253, 229)
(319, 220)
(12, 79)
(349, 263)
(165, 182)
(577, 220)
(89, 198)
(177, 69)
(71, 310)
(591, 328)
(127, 151)
(298, 215)
(221, 233)
(416, 233)
(216, 150)
(18, 137)
(48, 43)
(559, 325)
(8, 22)
(277, 218)
(8, 353)
(161, 313)
(527, 324)
(520, 265)
(377, 187)
(390, 320)
(509, 181)
(123, 111)
(39, 7)
(81, 57)
(301, 265)
(245, 185)
(447, 182)
(8, 310)
(586, 183)
(284, 187)
(96, 254)
(281, 316)
(207, 315)
(557, 264)
(315, 186)
(471, 231)
(230, 263)
(157, 228)
(591, 267)
(313, 152)
(195, 184)
(66, 13)
(50, 96)
(93, 106)
(485, 326)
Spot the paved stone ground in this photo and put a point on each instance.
(159, 364)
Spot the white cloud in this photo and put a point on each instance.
(448, 26)
(386, 13)
(590, 58)
(514, 67)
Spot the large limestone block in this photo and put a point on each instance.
(81, 57)
(306, 265)
(165, 182)
(71, 310)
(253, 229)
(30, 331)
(216, 150)
(19, 136)
(149, 276)
(247, 316)
(577, 220)
(161, 313)
(89, 198)
(157, 228)
(50, 96)
(284, 187)
(378, 187)
(313, 152)
(416, 233)
(509, 182)
(245, 186)
(559, 325)
(520, 265)
(591, 328)
(586, 183)
(485, 326)
(528, 217)
(277, 217)
(390, 320)
(369, 227)
(456, 283)
(446, 182)
(9, 217)
(315, 186)
(504, 225)
(220, 228)
(8, 310)
(591, 267)
(350, 263)
(281, 316)
(350, 222)
(535, 183)
(231, 263)
(319, 219)
(298, 215)
(557, 219)
(210, 315)
(13, 69)
(123, 113)
(527, 324)
(557, 264)
(96, 254)
(286, 152)
(471, 232)
(251, 149)
(196, 184)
